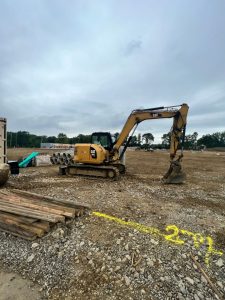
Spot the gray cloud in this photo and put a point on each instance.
(82, 66)
(133, 46)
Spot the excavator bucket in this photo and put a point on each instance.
(174, 175)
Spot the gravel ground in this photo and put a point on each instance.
(97, 258)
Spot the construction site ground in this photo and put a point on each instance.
(139, 240)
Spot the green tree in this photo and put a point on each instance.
(148, 138)
(52, 139)
(190, 141)
(134, 141)
(62, 138)
(82, 138)
(139, 139)
(166, 140)
(216, 139)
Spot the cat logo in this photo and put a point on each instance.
(93, 152)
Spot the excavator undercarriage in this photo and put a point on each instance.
(90, 170)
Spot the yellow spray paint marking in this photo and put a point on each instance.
(173, 237)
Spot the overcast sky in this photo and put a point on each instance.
(82, 66)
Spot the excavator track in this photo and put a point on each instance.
(90, 170)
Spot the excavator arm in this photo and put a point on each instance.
(177, 133)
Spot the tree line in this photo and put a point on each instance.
(25, 139)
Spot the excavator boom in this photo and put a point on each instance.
(179, 115)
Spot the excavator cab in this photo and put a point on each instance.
(102, 138)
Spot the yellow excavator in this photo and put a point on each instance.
(103, 157)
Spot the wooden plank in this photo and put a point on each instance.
(66, 202)
(34, 199)
(37, 206)
(43, 225)
(17, 231)
(69, 211)
(29, 228)
(32, 238)
(25, 220)
(27, 212)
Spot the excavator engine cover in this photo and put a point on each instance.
(174, 175)
(89, 154)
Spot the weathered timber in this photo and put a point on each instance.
(64, 210)
(22, 219)
(29, 215)
(50, 199)
(38, 206)
(17, 231)
(29, 228)
(43, 225)
(27, 212)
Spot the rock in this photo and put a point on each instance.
(30, 258)
(127, 280)
(196, 297)
(34, 245)
(150, 262)
(191, 281)
(81, 244)
(56, 246)
(200, 295)
(58, 233)
(127, 247)
(102, 268)
(150, 277)
(180, 297)
(182, 287)
(220, 284)
(60, 254)
(142, 270)
(203, 279)
(219, 262)
(117, 268)
(154, 242)
(167, 278)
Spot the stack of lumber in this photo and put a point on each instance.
(31, 215)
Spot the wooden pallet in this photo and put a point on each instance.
(31, 215)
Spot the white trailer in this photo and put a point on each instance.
(4, 167)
